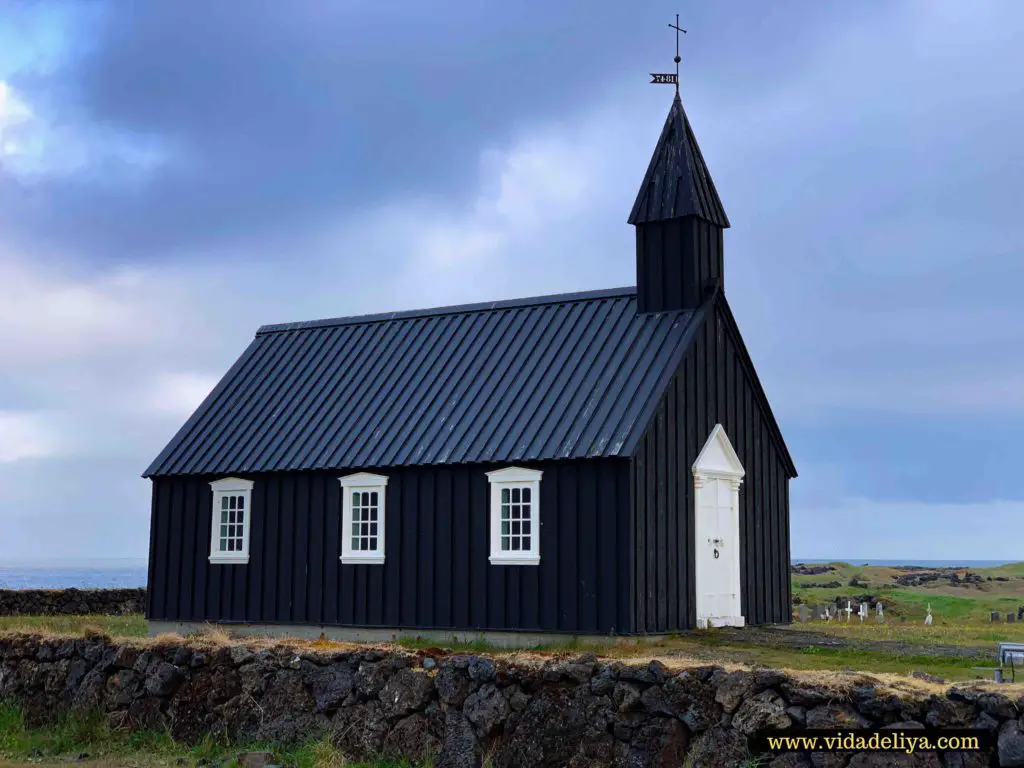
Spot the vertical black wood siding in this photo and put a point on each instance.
(674, 260)
(711, 386)
(436, 573)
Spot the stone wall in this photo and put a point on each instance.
(52, 602)
(578, 712)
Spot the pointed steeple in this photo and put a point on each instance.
(679, 223)
(677, 182)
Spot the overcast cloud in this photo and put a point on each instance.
(174, 176)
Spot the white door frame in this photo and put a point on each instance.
(717, 461)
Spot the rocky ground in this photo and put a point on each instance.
(63, 602)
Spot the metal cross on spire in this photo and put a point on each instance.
(670, 78)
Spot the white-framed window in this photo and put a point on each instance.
(229, 523)
(362, 517)
(515, 516)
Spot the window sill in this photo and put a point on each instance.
(516, 560)
(228, 560)
(362, 559)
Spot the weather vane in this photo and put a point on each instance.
(669, 78)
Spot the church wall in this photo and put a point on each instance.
(436, 574)
(711, 386)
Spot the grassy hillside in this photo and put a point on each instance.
(960, 595)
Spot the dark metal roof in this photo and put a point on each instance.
(553, 377)
(678, 182)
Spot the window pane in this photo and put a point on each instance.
(355, 528)
(241, 516)
(241, 502)
(373, 544)
(505, 545)
(373, 498)
(355, 499)
(366, 499)
(505, 514)
(515, 528)
(223, 502)
(504, 496)
(515, 495)
(526, 527)
(526, 494)
(223, 545)
(515, 543)
(373, 529)
(355, 543)
(504, 528)
(223, 516)
(232, 501)
(526, 542)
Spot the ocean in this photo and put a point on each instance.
(84, 574)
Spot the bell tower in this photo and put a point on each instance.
(679, 222)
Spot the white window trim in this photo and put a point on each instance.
(370, 482)
(503, 478)
(230, 486)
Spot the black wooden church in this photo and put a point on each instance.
(598, 463)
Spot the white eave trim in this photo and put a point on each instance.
(514, 475)
(363, 480)
(229, 484)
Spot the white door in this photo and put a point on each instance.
(717, 477)
(718, 564)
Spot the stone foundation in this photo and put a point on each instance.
(54, 602)
(496, 639)
(460, 709)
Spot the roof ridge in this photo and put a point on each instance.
(531, 301)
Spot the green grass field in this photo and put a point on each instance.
(89, 741)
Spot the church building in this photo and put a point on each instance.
(602, 463)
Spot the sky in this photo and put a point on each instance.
(175, 174)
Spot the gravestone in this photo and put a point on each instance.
(994, 616)
(801, 613)
(878, 612)
(1020, 613)
(818, 612)
(1010, 618)
(848, 609)
(863, 612)
(928, 618)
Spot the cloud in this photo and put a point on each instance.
(48, 314)
(34, 146)
(178, 394)
(28, 436)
